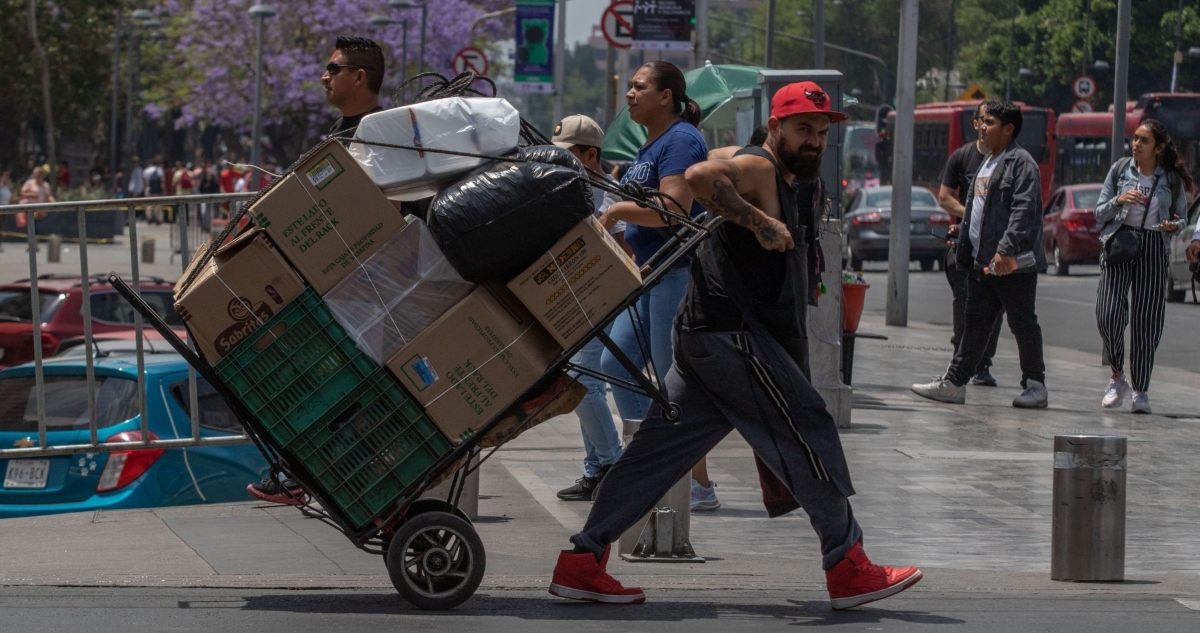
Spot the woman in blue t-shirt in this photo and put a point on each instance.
(657, 99)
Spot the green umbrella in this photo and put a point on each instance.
(711, 87)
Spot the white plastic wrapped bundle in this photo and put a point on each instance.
(397, 292)
(486, 126)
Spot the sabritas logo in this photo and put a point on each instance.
(243, 326)
(239, 309)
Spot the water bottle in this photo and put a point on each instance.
(1026, 262)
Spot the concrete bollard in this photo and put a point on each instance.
(1088, 533)
(148, 250)
(54, 248)
(666, 539)
(468, 501)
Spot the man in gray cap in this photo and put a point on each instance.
(583, 137)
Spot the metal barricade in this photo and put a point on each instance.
(102, 222)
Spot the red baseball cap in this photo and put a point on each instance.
(802, 97)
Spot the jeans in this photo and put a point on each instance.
(957, 278)
(601, 441)
(987, 297)
(655, 317)
(720, 386)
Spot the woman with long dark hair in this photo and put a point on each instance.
(657, 99)
(1146, 197)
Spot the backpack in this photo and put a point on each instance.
(155, 184)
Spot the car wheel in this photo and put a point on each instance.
(1061, 268)
(1175, 295)
(927, 265)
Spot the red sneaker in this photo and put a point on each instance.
(856, 580)
(580, 577)
(289, 493)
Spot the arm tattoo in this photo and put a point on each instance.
(728, 204)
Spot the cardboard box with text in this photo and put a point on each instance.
(245, 283)
(327, 216)
(583, 278)
(475, 361)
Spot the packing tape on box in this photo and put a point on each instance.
(567, 283)
(478, 368)
(357, 261)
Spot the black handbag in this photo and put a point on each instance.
(1124, 246)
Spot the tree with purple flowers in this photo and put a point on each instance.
(203, 72)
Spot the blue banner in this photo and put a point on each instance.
(534, 67)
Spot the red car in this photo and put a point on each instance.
(1069, 227)
(62, 313)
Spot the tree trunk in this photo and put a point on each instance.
(47, 109)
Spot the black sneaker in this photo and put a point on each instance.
(287, 493)
(584, 488)
(983, 378)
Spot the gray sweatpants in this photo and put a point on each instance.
(720, 385)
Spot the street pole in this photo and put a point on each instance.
(770, 46)
(403, 60)
(1120, 82)
(1012, 29)
(560, 62)
(898, 240)
(115, 141)
(1178, 49)
(1087, 35)
(260, 12)
(701, 32)
(407, 4)
(819, 28)
(134, 60)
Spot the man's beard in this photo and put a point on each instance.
(804, 162)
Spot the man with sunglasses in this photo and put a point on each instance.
(959, 169)
(352, 80)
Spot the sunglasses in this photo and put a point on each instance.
(334, 68)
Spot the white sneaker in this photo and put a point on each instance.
(1141, 402)
(1033, 397)
(704, 499)
(941, 390)
(1115, 394)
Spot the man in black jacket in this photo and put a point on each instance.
(1002, 223)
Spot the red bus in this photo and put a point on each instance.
(941, 128)
(1083, 138)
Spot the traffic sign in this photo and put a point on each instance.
(1084, 87)
(1082, 106)
(472, 59)
(617, 24)
(974, 92)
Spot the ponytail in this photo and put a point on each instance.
(667, 76)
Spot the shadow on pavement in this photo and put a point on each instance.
(795, 612)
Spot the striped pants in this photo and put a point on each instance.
(1145, 279)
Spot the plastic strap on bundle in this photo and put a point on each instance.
(479, 368)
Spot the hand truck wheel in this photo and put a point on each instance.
(435, 560)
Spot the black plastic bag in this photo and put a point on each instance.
(496, 221)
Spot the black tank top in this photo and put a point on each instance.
(707, 304)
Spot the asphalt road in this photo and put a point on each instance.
(1066, 310)
(530, 611)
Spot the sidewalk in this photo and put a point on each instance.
(962, 491)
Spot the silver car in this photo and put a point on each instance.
(1179, 276)
(867, 227)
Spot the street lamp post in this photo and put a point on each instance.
(142, 19)
(261, 12)
(407, 4)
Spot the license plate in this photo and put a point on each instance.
(27, 473)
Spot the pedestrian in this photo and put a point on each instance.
(1193, 249)
(136, 186)
(36, 190)
(740, 364)
(952, 198)
(181, 180)
(352, 80)
(583, 137)
(1003, 225)
(62, 180)
(1143, 200)
(657, 99)
(6, 195)
(98, 174)
(154, 177)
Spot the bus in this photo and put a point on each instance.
(1084, 137)
(941, 128)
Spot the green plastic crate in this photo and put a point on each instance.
(295, 367)
(368, 449)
